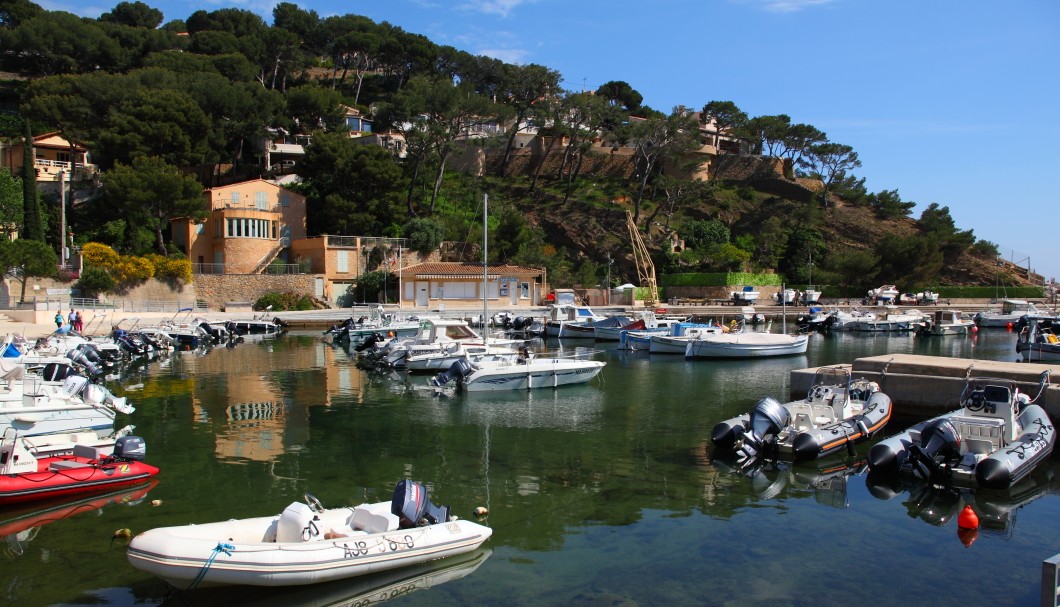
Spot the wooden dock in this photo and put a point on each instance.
(926, 386)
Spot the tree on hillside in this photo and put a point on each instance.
(28, 259)
(889, 205)
(133, 14)
(149, 193)
(830, 163)
(938, 225)
(659, 139)
(165, 123)
(313, 106)
(54, 42)
(33, 226)
(11, 209)
(725, 115)
(351, 188)
(913, 260)
(353, 45)
(524, 86)
(767, 134)
(15, 12)
(620, 94)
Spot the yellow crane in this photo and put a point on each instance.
(645, 267)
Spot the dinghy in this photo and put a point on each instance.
(307, 543)
(994, 440)
(836, 413)
(25, 478)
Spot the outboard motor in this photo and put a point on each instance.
(58, 372)
(369, 342)
(130, 448)
(940, 445)
(413, 508)
(767, 419)
(215, 333)
(460, 369)
(79, 358)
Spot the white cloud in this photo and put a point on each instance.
(786, 6)
(502, 8)
(507, 55)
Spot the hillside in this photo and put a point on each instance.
(590, 230)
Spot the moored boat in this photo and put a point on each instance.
(307, 543)
(1009, 315)
(746, 345)
(836, 413)
(1037, 338)
(520, 374)
(24, 477)
(995, 439)
(944, 322)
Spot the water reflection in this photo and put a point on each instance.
(362, 591)
(20, 526)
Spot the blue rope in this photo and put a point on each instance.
(218, 549)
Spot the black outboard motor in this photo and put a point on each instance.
(767, 419)
(940, 446)
(369, 341)
(215, 333)
(522, 323)
(413, 508)
(78, 357)
(460, 369)
(57, 371)
(130, 448)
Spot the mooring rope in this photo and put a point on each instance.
(218, 549)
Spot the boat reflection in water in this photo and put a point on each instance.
(824, 480)
(361, 591)
(20, 526)
(996, 509)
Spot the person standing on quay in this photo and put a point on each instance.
(59, 320)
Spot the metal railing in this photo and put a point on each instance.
(60, 302)
(207, 268)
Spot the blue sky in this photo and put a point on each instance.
(948, 101)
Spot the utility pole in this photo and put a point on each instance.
(62, 221)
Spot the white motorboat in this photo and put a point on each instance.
(438, 336)
(520, 374)
(677, 344)
(378, 322)
(945, 322)
(927, 297)
(561, 314)
(746, 345)
(844, 321)
(37, 406)
(439, 361)
(1011, 311)
(307, 544)
(747, 295)
(883, 295)
(1037, 340)
(892, 321)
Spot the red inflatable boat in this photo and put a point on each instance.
(25, 478)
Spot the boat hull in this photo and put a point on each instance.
(47, 484)
(750, 345)
(538, 374)
(33, 421)
(191, 556)
(1001, 469)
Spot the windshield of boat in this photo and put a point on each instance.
(831, 376)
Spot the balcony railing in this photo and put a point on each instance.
(366, 242)
(207, 268)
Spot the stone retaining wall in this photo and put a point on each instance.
(218, 289)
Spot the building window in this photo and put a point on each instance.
(233, 198)
(260, 201)
(524, 290)
(200, 228)
(343, 261)
(284, 200)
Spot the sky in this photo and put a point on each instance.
(955, 102)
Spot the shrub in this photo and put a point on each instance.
(94, 281)
(132, 269)
(284, 301)
(99, 255)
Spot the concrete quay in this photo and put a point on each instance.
(926, 386)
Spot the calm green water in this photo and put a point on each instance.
(602, 494)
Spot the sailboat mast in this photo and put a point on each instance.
(485, 267)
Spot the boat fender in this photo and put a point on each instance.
(863, 427)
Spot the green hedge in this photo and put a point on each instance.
(720, 279)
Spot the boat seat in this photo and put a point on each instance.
(67, 465)
(981, 434)
(373, 520)
(86, 451)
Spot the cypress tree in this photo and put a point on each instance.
(32, 228)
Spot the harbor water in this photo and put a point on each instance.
(606, 493)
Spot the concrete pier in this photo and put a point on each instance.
(927, 386)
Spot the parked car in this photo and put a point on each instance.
(282, 166)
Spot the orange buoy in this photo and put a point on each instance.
(967, 536)
(975, 328)
(968, 519)
(1009, 326)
